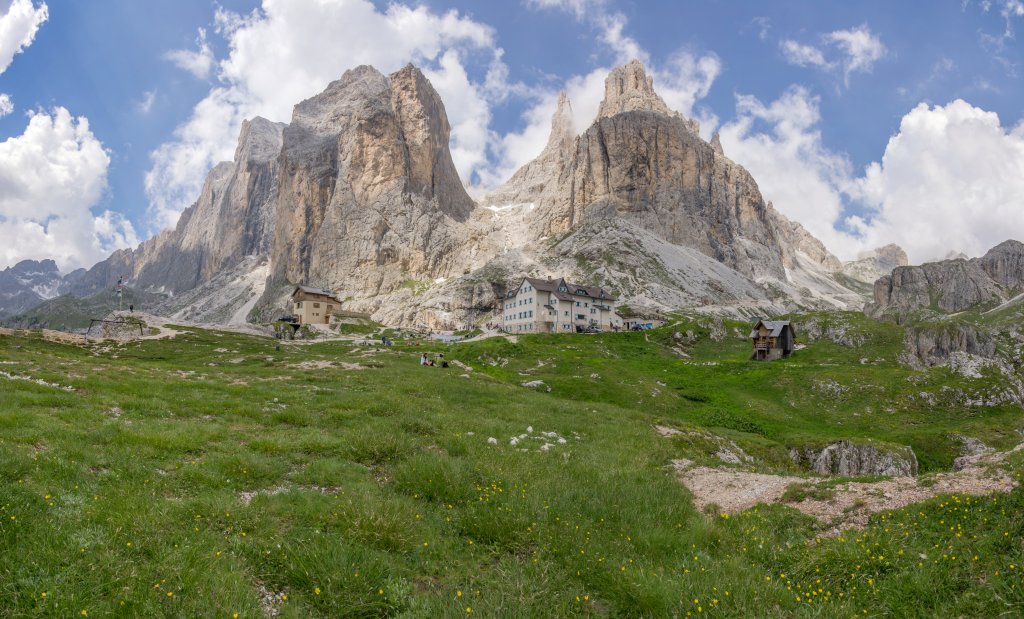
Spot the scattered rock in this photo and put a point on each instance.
(849, 459)
(851, 504)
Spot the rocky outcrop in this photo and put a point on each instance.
(930, 346)
(871, 265)
(847, 459)
(952, 285)
(834, 329)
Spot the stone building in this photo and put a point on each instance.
(772, 339)
(314, 305)
(557, 306)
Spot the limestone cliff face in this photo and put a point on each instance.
(370, 197)
(952, 285)
(539, 178)
(794, 240)
(234, 217)
(643, 163)
(358, 194)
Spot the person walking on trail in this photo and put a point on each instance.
(131, 308)
(423, 359)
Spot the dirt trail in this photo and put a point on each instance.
(851, 503)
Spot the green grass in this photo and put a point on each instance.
(67, 312)
(375, 492)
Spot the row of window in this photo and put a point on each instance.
(298, 305)
(529, 314)
(519, 316)
(520, 302)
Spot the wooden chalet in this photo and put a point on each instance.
(772, 339)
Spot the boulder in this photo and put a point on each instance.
(846, 459)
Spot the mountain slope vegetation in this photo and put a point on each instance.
(215, 473)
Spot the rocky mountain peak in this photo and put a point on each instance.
(873, 264)
(562, 130)
(891, 253)
(716, 144)
(629, 89)
(259, 140)
(28, 283)
(531, 180)
(425, 129)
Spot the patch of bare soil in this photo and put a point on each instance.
(324, 364)
(850, 504)
(732, 490)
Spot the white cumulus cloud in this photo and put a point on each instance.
(790, 163)
(198, 62)
(6, 104)
(18, 28)
(803, 55)
(855, 50)
(860, 47)
(951, 178)
(50, 177)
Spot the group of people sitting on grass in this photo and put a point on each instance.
(424, 360)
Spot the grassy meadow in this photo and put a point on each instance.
(216, 474)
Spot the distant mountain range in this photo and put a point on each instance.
(358, 194)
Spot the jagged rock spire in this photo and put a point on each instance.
(627, 89)
(716, 144)
(563, 131)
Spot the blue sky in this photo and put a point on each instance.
(868, 122)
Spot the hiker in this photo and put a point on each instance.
(423, 359)
(131, 308)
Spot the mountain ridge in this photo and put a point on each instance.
(359, 194)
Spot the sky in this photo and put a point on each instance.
(869, 122)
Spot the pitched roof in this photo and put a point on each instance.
(311, 290)
(552, 285)
(774, 326)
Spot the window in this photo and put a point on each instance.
(530, 314)
(593, 311)
(566, 312)
(298, 305)
(577, 304)
(316, 305)
(585, 304)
